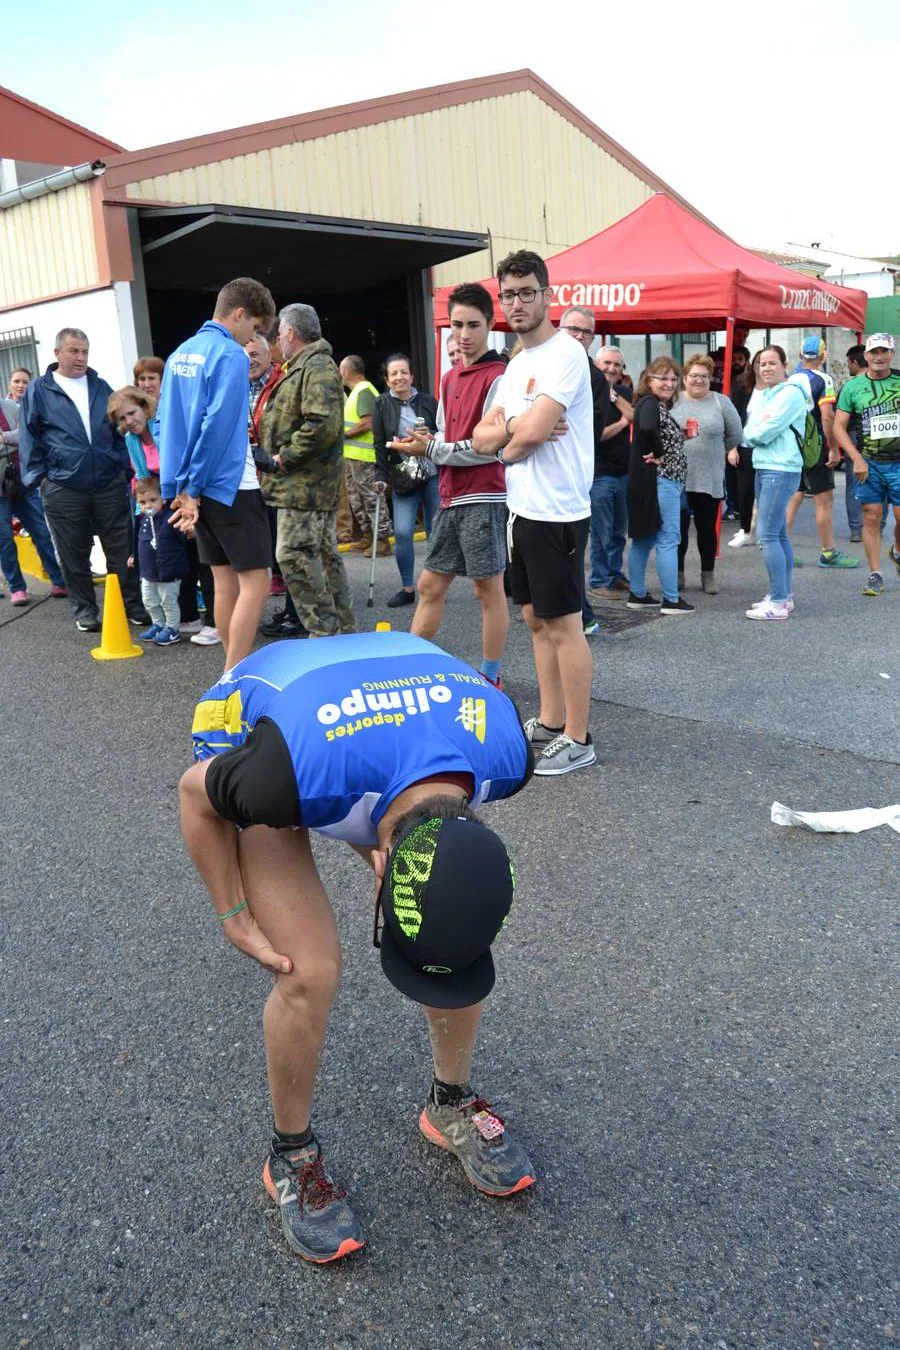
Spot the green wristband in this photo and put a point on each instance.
(231, 913)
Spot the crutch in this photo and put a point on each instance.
(371, 596)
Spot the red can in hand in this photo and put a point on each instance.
(691, 428)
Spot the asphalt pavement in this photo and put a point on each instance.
(693, 1028)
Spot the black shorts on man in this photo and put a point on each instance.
(236, 536)
(546, 565)
(819, 478)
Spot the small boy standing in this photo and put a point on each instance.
(162, 562)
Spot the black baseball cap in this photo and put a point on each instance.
(447, 890)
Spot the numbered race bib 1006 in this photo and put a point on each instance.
(885, 426)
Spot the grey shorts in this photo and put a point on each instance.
(469, 541)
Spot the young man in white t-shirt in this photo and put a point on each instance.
(541, 427)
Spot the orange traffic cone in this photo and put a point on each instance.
(29, 558)
(115, 640)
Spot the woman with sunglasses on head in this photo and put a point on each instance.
(774, 431)
(711, 428)
(656, 478)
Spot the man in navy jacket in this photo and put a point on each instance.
(69, 447)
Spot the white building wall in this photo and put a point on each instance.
(106, 317)
(874, 284)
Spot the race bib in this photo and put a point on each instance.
(885, 427)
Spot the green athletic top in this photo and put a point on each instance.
(874, 406)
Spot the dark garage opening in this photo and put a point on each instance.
(368, 282)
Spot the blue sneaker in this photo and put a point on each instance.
(167, 637)
(150, 634)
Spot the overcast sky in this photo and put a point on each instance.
(747, 111)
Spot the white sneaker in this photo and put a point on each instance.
(743, 539)
(769, 610)
(207, 637)
(767, 600)
(191, 626)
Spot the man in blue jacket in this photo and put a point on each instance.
(206, 463)
(69, 447)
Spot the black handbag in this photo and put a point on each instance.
(10, 483)
(409, 476)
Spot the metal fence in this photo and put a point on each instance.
(17, 348)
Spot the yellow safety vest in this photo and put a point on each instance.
(359, 447)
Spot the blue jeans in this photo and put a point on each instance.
(666, 541)
(774, 490)
(854, 510)
(404, 511)
(609, 522)
(31, 514)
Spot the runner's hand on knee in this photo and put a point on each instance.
(245, 933)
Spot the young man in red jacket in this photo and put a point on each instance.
(469, 535)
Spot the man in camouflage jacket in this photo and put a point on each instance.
(303, 431)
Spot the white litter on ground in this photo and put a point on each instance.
(838, 822)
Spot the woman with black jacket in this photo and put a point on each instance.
(747, 391)
(656, 478)
(413, 480)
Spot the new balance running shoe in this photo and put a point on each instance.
(317, 1221)
(493, 1162)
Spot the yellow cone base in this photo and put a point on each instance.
(29, 558)
(115, 639)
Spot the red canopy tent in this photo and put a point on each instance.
(661, 270)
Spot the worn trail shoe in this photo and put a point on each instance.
(493, 1162)
(317, 1221)
(874, 585)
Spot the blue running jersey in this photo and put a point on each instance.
(361, 717)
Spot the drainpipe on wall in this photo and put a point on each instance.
(54, 182)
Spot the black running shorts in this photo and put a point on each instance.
(546, 565)
(236, 535)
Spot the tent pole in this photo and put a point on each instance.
(729, 347)
(726, 390)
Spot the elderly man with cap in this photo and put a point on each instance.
(818, 388)
(386, 742)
